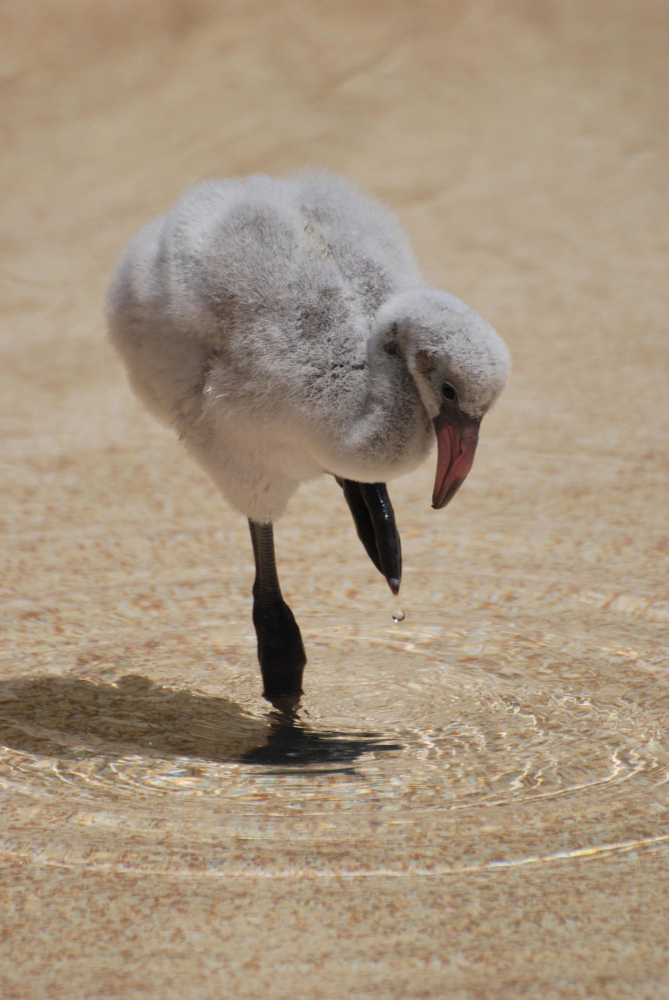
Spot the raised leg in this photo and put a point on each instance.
(375, 523)
(280, 650)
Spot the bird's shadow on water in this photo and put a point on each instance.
(74, 718)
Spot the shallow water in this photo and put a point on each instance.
(402, 729)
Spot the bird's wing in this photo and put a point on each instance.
(364, 239)
(240, 256)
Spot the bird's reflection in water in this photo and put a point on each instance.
(78, 718)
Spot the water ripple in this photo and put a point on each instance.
(426, 722)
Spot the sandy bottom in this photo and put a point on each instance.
(474, 802)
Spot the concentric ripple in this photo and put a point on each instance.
(397, 722)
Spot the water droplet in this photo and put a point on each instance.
(398, 615)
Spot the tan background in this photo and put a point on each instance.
(524, 145)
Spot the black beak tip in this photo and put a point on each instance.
(453, 489)
(394, 585)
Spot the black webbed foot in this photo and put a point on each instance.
(375, 524)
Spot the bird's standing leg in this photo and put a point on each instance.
(280, 650)
(375, 523)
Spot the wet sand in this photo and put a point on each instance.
(474, 802)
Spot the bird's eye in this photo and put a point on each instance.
(448, 392)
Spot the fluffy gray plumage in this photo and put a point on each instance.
(283, 328)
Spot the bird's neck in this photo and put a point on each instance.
(389, 377)
(393, 419)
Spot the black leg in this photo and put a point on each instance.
(280, 650)
(375, 523)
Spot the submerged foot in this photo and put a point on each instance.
(287, 705)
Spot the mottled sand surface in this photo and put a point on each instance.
(474, 804)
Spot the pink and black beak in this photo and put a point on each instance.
(457, 437)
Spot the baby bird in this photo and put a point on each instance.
(283, 329)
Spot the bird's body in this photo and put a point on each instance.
(245, 316)
(283, 328)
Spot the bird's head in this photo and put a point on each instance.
(460, 366)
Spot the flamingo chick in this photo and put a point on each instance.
(283, 329)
